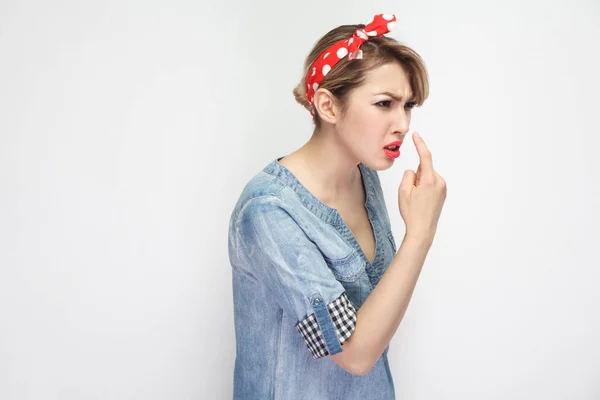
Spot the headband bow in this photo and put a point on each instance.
(379, 25)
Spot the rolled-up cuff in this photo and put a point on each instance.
(325, 330)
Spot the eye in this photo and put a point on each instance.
(385, 103)
(410, 105)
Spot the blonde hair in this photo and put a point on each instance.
(347, 75)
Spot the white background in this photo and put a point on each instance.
(128, 129)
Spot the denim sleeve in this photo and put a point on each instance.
(275, 249)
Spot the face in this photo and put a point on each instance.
(377, 115)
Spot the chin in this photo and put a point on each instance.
(379, 164)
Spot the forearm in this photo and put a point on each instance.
(380, 315)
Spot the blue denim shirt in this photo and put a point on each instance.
(299, 275)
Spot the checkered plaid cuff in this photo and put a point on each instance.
(343, 315)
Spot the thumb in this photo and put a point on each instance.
(408, 181)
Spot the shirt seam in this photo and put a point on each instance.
(241, 211)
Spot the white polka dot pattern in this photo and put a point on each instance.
(347, 48)
(362, 34)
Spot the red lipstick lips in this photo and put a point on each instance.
(392, 150)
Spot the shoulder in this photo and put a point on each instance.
(262, 192)
(264, 201)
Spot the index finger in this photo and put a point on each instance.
(424, 154)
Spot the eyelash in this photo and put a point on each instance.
(409, 105)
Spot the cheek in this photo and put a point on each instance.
(360, 130)
(365, 120)
(366, 127)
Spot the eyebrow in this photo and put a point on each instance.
(396, 97)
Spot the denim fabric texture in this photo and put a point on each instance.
(293, 258)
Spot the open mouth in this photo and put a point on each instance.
(392, 150)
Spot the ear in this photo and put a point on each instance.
(326, 106)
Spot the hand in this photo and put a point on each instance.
(421, 195)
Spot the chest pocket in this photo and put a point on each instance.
(350, 272)
(347, 269)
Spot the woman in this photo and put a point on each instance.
(319, 286)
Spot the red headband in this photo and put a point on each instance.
(378, 26)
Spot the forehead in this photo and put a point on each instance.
(389, 77)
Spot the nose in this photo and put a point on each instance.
(402, 122)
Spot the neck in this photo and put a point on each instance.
(330, 166)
